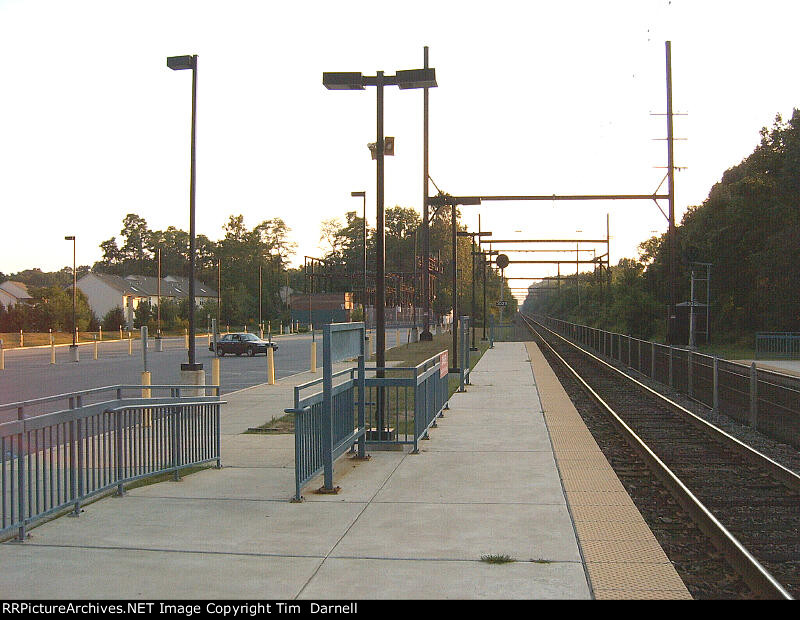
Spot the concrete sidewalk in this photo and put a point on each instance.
(403, 525)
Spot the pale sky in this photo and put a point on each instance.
(533, 98)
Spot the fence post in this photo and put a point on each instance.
(460, 326)
(418, 408)
(327, 410)
(362, 398)
(465, 327)
(670, 366)
(77, 426)
(22, 449)
(652, 360)
(716, 385)
(119, 452)
(689, 368)
(630, 346)
(753, 396)
(639, 348)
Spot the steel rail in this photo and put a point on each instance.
(756, 576)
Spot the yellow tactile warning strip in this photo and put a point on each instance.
(623, 559)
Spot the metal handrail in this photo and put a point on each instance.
(97, 390)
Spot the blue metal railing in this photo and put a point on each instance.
(499, 332)
(777, 345)
(58, 460)
(407, 400)
(397, 408)
(320, 439)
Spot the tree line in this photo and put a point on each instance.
(232, 264)
(748, 229)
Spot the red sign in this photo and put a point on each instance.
(443, 365)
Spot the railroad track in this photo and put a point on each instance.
(747, 504)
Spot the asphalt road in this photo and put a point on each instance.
(28, 373)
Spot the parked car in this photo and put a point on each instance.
(240, 343)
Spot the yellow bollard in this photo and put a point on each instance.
(147, 415)
(21, 339)
(101, 333)
(208, 339)
(120, 332)
(146, 376)
(130, 343)
(186, 338)
(313, 356)
(52, 348)
(271, 366)
(95, 347)
(2, 357)
(215, 371)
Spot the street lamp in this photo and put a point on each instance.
(73, 349)
(409, 79)
(179, 63)
(364, 293)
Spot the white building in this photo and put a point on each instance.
(12, 293)
(106, 292)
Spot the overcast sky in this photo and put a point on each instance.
(533, 98)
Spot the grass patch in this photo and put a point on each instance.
(729, 350)
(497, 559)
(279, 426)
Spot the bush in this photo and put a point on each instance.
(113, 319)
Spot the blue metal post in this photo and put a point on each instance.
(327, 407)
(362, 387)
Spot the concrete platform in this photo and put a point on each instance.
(403, 525)
(787, 367)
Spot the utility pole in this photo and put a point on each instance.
(671, 233)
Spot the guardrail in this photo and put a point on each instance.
(404, 404)
(97, 397)
(767, 401)
(60, 459)
(321, 436)
(778, 345)
(500, 332)
(397, 408)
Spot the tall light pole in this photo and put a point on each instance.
(426, 334)
(413, 78)
(180, 63)
(364, 241)
(73, 349)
